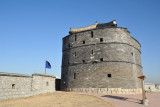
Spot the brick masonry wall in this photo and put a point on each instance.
(19, 85)
(87, 60)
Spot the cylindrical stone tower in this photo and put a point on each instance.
(101, 56)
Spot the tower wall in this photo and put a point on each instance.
(89, 57)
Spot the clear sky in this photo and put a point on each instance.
(31, 31)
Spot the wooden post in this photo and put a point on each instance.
(143, 93)
(144, 98)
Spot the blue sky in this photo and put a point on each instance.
(31, 31)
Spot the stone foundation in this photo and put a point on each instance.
(105, 90)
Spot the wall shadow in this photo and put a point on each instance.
(123, 98)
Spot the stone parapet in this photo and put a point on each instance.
(105, 90)
(44, 75)
(14, 74)
(20, 85)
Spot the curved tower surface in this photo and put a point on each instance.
(101, 56)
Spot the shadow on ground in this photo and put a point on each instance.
(123, 98)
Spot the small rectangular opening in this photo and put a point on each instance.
(91, 34)
(84, 42)
(13, 86)
(75, 37)
(69, 45)
(83, 61)
(101, 39)
(62, 76)
(132, 53)
(47, 84)
(75, 54)
(101, 59)
(92, 51)
(109, 75)
(74, 75)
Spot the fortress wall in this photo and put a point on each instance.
(14, 86)
(43, 83)
(157, 86)
(19, 85)
(149, 87)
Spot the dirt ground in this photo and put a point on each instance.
(57, 99)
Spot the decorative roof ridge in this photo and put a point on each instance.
(95, 26)
(84, 28)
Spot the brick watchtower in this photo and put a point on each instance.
(101, 56)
